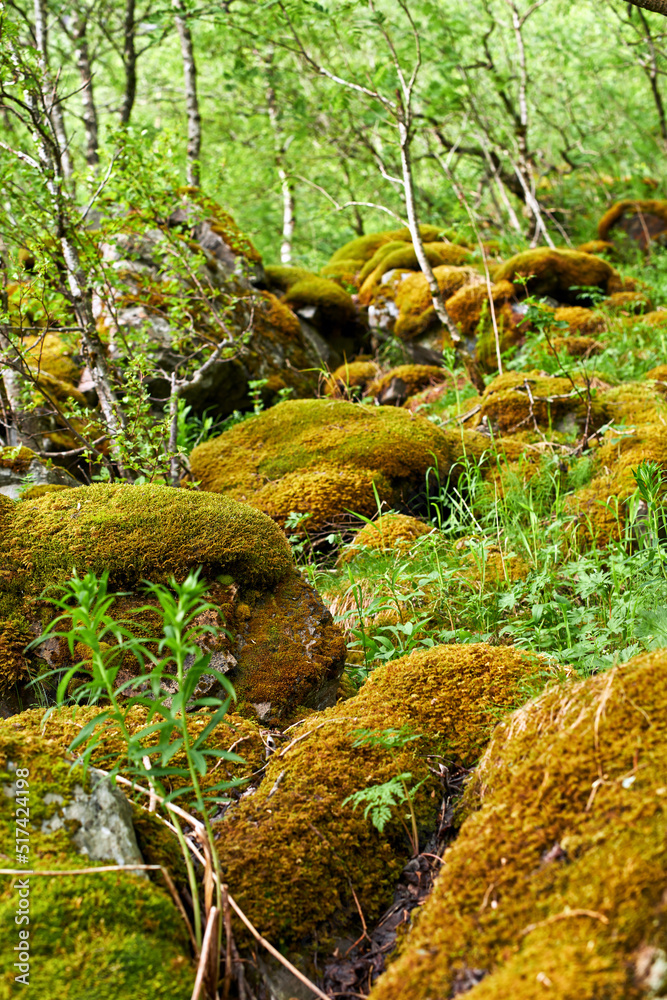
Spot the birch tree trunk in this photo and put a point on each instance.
(56, 113)
(286, 187)
(129, 62)
(437, 297)
(191, 98)
(87, 98)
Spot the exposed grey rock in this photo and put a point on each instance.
(12, 482)
(104, 815)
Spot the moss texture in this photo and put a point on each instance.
(620, 210)
(283, 648)
(412, 379)
(223, 224)
(555, 272)
(388, 533)
(401, 256)
(507, 405)
(292, 853)
(555, 884)
(63, 724)
(115, 934)
(50, 354)
(326, 493)
(308, 434)
(351, 376)
(413, 298)
(363, 247)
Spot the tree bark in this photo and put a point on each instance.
(191, 98)
(129, 63)
(87, 98)
(657, 6)
(437, 297)
(285, 180)
(56, 113)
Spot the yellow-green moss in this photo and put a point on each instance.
(283, 276)
(555, 884)
(506, 402)
(34, 492)
(327, 493)
(577, 347)
(414, 301)
(632, 302)
(138, 531)
(306, 434)
(115, 933)
(597, 247)
(580, 320)
(292, 853)
(388, 533)
(555, 272)
(17, 459)
(363, 247)
(627, 206)
(414, 378)
(63, 724)
(399, 255)
(312, 290)
(14, 637)
(51, 355)
(349, 376)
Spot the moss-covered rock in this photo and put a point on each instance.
(388, 533)
(363, 247)
(558, 273)
(413, 301)
(249, 461)
(115, 934)
(282, 646)
(641, 220)
(397, 385)
(317, 298)
(399, 256)
(555, 884)
(22, 470)
(520, 401)
(234, 733)
(350, 379)
(294, 855)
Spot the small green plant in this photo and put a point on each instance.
(86, 618)
(381, 800)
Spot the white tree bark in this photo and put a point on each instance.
(191, 98)
(286, 186)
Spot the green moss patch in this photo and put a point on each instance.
(293, 854)
(115, 934)
(556, 881)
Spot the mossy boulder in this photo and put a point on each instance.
(642, 221)
(407, 301)
(362, 248)
(524, 401)
(397, 385)
(117, 935)
(559, 273)
(555, 883)
(350, 379)
(237, 734)
(176, 320)
(381, 444)
(294, 855)
(389, 533)
(316, 299)
(21, 470)
(283, 647)
(398, 256)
